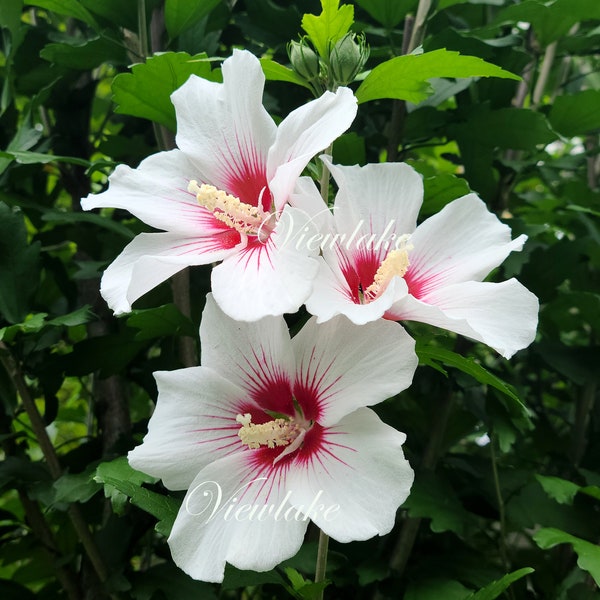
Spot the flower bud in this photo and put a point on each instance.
(304, 60)
(347, 58)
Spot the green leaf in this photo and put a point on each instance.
(18, 266)
(162, 321)
(561, 490)
(85, 55)
(34, 158)
(119, 475)
(406, 77)
(331, 25)
(32, 324)
(433, 498)
(469, 366)
(436, 589)
(172, 582)
(275, 72)
(388, 12)
(75, 488)
(576, 114)
(494, 589)
(183, 14)
(71, 8)
(146, 91)
(25, 138)
(588, 554)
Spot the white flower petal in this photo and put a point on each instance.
(331, 297)
(271, 278)
(502, 315)
(208, 533)
(152, 258)
(306, 197)
(380, 201)
(347, 366)
(256, 356)
(302, 134)
(156, 193)
(192, 426)
(362, 469)
(224, 128)
(463, 242)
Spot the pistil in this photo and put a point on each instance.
(228, 209)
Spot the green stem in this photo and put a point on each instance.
(418, 32)
(321, 567)
(500, 501)
(324, 181)
(142, 27)
(540, 84)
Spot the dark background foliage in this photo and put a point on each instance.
(507, 453)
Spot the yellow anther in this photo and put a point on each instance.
(238, 215)
(279, 432)
(395, 264)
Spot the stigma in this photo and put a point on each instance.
(395, 264)
(245, 218)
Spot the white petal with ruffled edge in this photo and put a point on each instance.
(350, 366)
(224, 128)
(193, 425)
(463, 242)
(379, 201)
(361, 468)
(205, 536)
(502, 315)
(152, 258)
(271, 278)
(303, 133)
(252, 355)
(156, 192)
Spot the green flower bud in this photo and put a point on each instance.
(347, 58)
(304, 60)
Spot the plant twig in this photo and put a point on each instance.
(321, 567)
(39, 428)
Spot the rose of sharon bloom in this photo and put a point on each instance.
(270, 433)
(223, 195)
(377, 263)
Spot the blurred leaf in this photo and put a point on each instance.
(440, 190)
(33, 158)
(236, 578)
(550, 21)
(275, 72)
(330, 26)
(432, 498)
(161, 321)
(146, 91)
(516, 128)
(119, 475)
(561, 490)
(183, 14)
(19, 270)
(427, 354)
(70, 8)
(436, 589)
(172, 582)
(388, 12)
(25, 138)
(123, 14)
(85, 55)
(406, 77)
(588, 554)
(494, 589)
(75, 488)
(11, 590)
(576, 114)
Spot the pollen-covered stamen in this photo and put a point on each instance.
(238, 215)
(279, 432)
(395, 264)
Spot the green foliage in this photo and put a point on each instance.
(146, 91)
(502, 101)
(407, 77)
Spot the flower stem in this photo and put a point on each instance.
(324, 182)
(321, 560)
